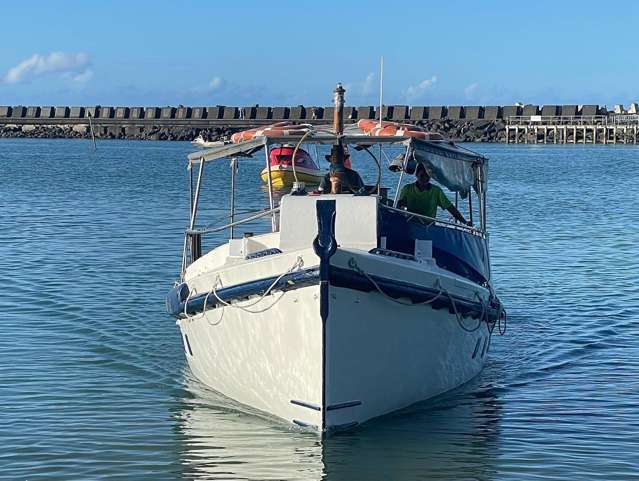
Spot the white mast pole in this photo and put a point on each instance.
(381, 89)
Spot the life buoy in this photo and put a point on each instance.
(392, 129)
(280, 129)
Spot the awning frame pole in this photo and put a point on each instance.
(232, 207)
(401, 176)
(484, 197)
(190, 188)
(270, 188)
(196, 200)
(192, 209)
(480, 197)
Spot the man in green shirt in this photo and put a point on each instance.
(422, 197)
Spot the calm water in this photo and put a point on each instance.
(93, 381)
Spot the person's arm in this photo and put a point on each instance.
(358, 181)
(325, 184)
(401, 201)
(445, 203)
(457, 215)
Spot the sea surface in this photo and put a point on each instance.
(93, 379)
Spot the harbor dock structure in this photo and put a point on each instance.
(572, 129)
(510, 123)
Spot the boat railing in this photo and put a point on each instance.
(453, 225)
(267, 212)
(212, 229)
(193, 238)
(192, 249)
(553, 120)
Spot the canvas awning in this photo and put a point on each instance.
(250, 146)
(456, 168)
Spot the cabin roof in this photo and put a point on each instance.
(453, 166)
(249, 147)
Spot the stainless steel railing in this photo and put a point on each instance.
(470, 229)
(209, 230)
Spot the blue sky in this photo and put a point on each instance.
(289, 53)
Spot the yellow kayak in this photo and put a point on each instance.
(282, 175)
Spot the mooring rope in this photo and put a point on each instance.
(459, 317)
(206, 300)
(352, 263)
(186, 303)
(299, 263)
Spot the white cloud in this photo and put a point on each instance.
(216, 83)
(368, 86)
(83, 77)
(361, 90)
(415, 91)
(470, 90)
(71, 65)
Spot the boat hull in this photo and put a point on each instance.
(371, 356)
(381, 357)
(264, 360)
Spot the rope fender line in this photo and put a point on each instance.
(186, 303)
(299, 263)
(206, 300)
(352, 263)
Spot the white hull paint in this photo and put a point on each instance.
(374, 357)
(388, 357)
(264, 360)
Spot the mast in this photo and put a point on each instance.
(337, 151)
(381, 90)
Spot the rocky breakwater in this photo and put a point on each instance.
(82, 131)
(467, 130)
(458, 130)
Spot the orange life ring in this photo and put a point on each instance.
(280, 129)
(391, 129)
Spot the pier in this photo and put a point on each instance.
(592, 129)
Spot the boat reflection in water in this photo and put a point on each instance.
(455, 436)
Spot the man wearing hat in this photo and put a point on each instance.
(351, 181)
(422, 197)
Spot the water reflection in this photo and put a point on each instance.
(453, 437)
(221, 440)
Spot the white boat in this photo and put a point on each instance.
(200, 142)
(350, 308)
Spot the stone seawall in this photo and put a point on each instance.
(459, 130)
(461, 123)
